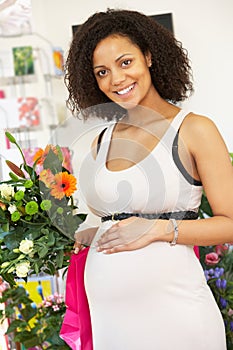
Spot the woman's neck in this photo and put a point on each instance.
(143, 115)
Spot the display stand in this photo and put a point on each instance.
(19, 89)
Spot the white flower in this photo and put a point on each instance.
(12, 208)
(22, 269)
(7, 191)
(26, 246)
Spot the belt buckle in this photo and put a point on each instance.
(113, 216)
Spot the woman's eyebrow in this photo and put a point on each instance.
(116, 60)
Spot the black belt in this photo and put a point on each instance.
(177, 215)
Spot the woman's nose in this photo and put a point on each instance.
(118, 76)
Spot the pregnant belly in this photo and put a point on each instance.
(157, 268)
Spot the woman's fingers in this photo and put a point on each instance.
(77, 247)
(108, 245)
(107, 237)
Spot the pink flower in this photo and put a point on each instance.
(55, 308)
(220, 249)
(230, 312)
(212, 258)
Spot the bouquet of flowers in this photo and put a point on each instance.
(38, 216)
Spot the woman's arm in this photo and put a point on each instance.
(215, 170)
(84, 237)
(216, 173)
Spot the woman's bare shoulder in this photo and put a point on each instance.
(199, 128)
(198, 121)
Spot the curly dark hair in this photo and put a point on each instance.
(170, 72)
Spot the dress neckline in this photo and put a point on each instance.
(158, 144)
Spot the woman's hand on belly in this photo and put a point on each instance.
(129, 234)
(84, 238)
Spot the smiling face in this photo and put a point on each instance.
(122, 72)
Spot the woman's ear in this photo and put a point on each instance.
(148, 57)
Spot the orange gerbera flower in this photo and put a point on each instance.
(41, 154)
(47, 177)
(64, 185)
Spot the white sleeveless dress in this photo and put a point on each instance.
(154, 298)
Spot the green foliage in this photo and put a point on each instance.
(35, 325)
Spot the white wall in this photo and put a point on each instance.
(204, 27)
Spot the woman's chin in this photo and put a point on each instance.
(127, 105)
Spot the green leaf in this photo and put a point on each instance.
(59, 153)
(13, 238)
(55, 339)
(31, 342)
(28, 339)
(5, 228)
(15, 324)
(42, 251)
(28, 312)
(8, 278)
(59, 258)
(36, 268)
(52, 162)
(50, 268)
(51, 239)
(34, 233)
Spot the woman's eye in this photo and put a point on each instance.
(126, 63)
(102, 73)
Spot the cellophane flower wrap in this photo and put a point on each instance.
(38, 215)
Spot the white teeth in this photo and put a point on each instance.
(124, 91)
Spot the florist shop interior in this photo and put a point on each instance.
(40, 141)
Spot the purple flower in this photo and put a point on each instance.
(218, 283)
(223, 284)
(231, 326)
(221, 271)
(206, 275)
(223, 302)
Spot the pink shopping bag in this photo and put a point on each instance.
(76, 327)
(196, 251)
